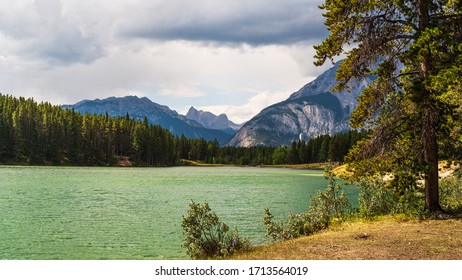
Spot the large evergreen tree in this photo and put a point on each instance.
(414, 48)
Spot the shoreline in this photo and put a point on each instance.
(183, 163)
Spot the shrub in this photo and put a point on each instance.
(325, 206)
(375, 198)
(206, 237)
(273, 229)
(328, 204)
(411, 203)
(451, 194)
(295, 226)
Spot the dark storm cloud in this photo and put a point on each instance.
(255, 22)
(66, 46)
(66, 32)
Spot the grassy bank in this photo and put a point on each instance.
(387, 238)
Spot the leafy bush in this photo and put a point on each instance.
(451, 194)
(328, 204)
(411, 203)
(295, 226)
(375, 198)
(273, 229)
(206, 237)
(325, 206)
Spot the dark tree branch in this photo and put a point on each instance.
(445, 16)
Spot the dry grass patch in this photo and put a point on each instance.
(320, 166)
(388, 239)
(341, 172)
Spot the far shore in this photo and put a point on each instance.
(126, 164)
(446, 168)
(315, 166)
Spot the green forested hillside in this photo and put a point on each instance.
(42, 133)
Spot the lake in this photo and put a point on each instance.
(135, 213)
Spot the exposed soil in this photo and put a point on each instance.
(124, 162)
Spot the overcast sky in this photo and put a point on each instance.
(225, 56)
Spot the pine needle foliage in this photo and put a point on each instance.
(414, 51)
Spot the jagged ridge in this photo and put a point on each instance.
(157, 114)
(212, 121)
(311, 111)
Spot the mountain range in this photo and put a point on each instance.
(156, 114)
(309, 112)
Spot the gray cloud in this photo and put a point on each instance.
(66, 32)
(50, 9)
(61, 41)
(41, 32)
(66, 46)
(257, 22)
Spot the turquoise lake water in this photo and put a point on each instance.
(94, 213)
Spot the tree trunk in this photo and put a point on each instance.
(430, 145)
(429, 123)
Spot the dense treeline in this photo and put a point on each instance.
(41, 133)
(320, 149)
(45, 134)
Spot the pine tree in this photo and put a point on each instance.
(414, 48)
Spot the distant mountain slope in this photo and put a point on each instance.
(157, 114)
(311, 111)
(212, 121)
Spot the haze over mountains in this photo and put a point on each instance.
(311, 111)
(212, 121)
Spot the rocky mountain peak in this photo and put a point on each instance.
(210, 120)
(312, 111)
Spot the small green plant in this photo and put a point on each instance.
(273, 229)
(206, 237)
(325, 206)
